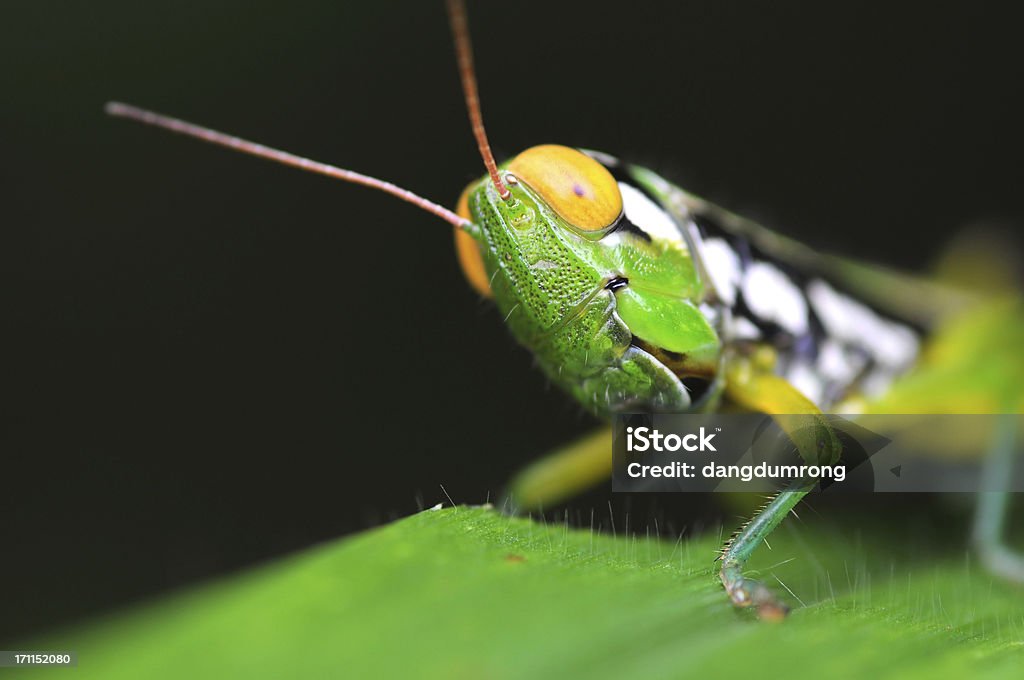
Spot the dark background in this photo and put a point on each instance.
(210, 360)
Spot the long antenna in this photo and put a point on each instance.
(464, 54)
(120, 110)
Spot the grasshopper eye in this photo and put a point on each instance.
(577, 187)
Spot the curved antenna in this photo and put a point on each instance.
(119, 110)
(464, 54)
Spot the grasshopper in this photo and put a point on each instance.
(635, 295)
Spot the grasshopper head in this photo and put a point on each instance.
(583, 287)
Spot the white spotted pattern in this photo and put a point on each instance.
(889, 343)
(771, 295)
(802, 376)
(723, 265)
(836, 362)
(744, 329)
(648, 215)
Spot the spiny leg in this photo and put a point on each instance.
(562, 474)
(994, 506)
(746, 592)
(751, 386)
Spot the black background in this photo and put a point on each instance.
(210, 360)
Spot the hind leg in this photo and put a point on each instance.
(562, 474)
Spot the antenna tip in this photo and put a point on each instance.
(115, 108)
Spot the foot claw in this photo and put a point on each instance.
(750, 593)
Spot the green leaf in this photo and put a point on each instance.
(468, 593)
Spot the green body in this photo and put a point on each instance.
(551, 283)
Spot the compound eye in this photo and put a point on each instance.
(577, 187)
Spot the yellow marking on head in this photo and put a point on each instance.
(577, 187)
